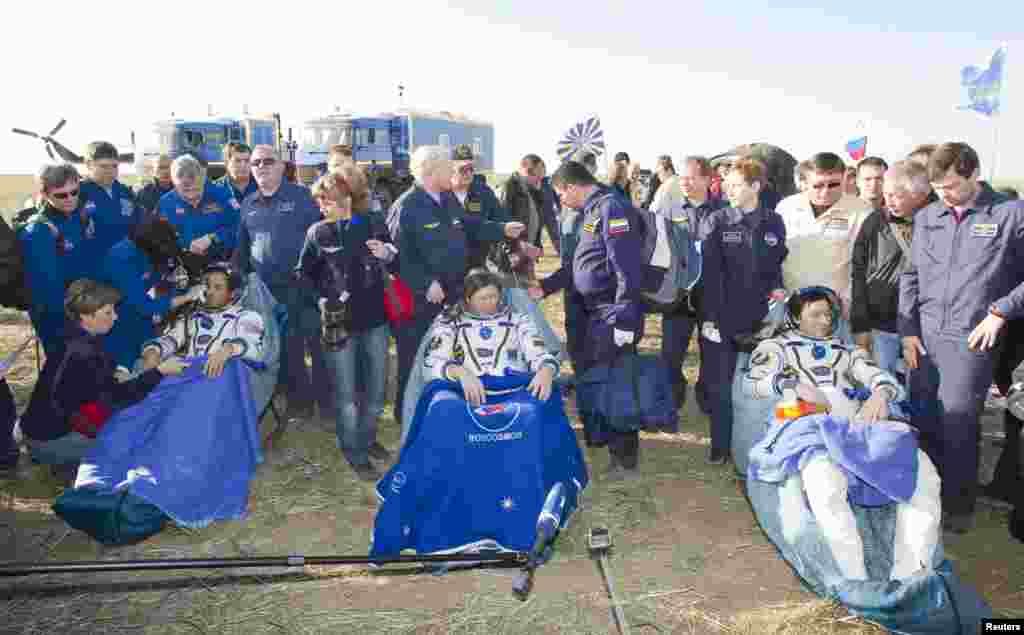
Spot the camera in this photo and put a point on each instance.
(335, 318)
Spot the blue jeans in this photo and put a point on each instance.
(365, 353)
(888, 350)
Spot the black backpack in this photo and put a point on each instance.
(14, 291)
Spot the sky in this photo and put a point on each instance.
(675, 78)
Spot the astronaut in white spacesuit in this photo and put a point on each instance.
(483, 337)
(808, 357)
(219, 328)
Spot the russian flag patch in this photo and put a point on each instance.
(618, 226)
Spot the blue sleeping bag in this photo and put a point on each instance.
(471, 478)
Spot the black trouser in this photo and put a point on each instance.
(407, 340)
(8, 414)
(1008, 476)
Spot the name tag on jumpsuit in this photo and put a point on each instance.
(984, 230)
(732, 237)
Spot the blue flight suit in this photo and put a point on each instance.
(742, 260)
(217, 215)
(433, 239)
(129, 270)
(115, 214)
(272, 231)
(607, 270)
(57, 249)
(228, 185)
(959, 271)
(677, 328)
(482, 203)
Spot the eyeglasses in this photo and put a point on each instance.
(259, 163)
(830, 185)
(60, 196)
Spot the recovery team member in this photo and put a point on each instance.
(238, 174)
(106, 200)
(477, 200)
(147, 195)
(54, 245)
(607, 272)
(205, 218)
(432, 234)
(743, 270)
(963, 283)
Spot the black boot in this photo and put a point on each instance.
(1005, 478)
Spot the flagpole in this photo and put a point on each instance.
(995, 151)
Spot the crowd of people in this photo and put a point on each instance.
(921, 259)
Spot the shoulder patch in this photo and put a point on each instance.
(617, 226)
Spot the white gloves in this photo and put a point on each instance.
(710, 332)
(622, 337)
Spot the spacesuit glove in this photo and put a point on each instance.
(710, 332)
(622, 338)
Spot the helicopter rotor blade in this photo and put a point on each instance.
(27, 133)
(49, 151)
(56, 129)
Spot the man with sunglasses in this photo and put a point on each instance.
(106, 200)
(272, 231)
(822, 224)
(477, 200)
(55, 247)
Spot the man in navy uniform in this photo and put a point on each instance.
(273, 227)
(607, 271)
(433, 234)
(147, 195)
(964, 281)
(237, 178)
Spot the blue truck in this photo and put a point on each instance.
(205, 138)
(385, 141)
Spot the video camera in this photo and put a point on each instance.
(335, 324)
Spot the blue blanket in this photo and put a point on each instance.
(469, 478)
(878, 459)
(633, 392)
(190, 448)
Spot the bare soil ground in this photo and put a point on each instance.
(689, 556)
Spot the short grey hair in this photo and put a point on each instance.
(267, 148)
(186, 167)
(52, 176)
(908, 175)
(426, 160)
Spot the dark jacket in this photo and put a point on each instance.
(877, 263)
(84, 373)
(148, 196)
(481, 202)
(336, 259)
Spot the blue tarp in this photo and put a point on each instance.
(474, 477)
(190, 447)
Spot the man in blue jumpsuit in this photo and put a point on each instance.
(696, 209)
(433, 234)
(742, 260)
(55, 248)
(205, 218)
(238, 175)
(106, 200)
(607, 271)
(273, 229)
(964, 281)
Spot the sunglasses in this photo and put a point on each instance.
(60, 196)
(830, 185)
(259, 163)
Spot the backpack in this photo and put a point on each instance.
(671, 262)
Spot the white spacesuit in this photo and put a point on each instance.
(830, 365)
(486, 345)
(206, 330)
(834, 367)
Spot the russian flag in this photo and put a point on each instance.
(857, 148)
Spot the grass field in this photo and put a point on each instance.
(689, 556)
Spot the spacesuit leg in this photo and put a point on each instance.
(827, 488)
(917, 522)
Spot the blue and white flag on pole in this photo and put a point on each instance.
(982, 86)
